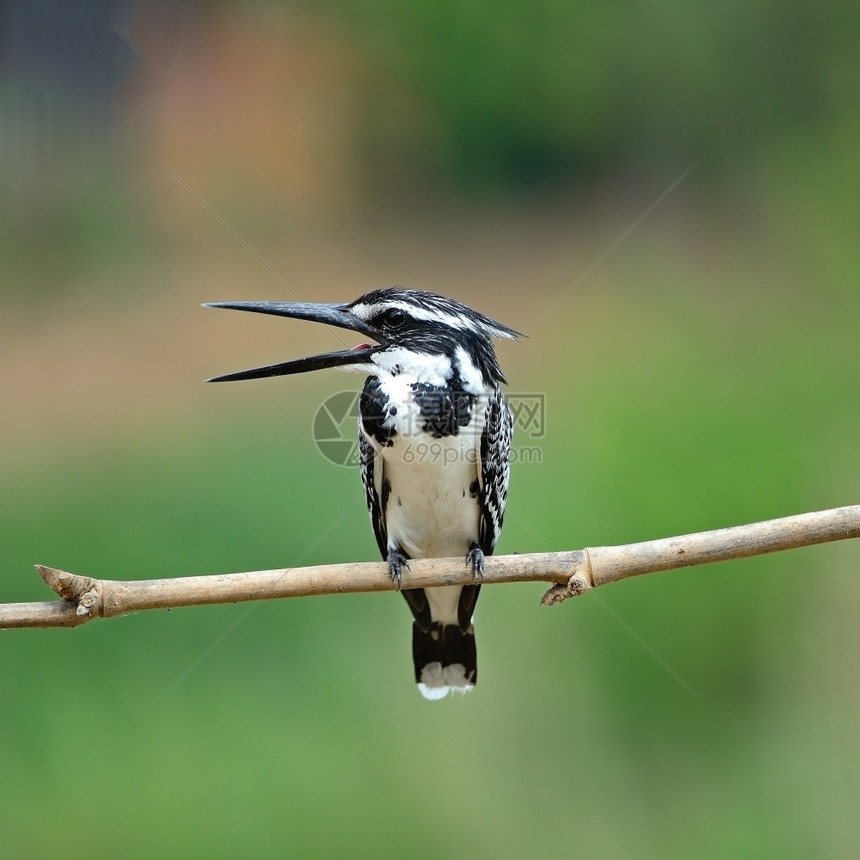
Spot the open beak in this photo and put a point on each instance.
(330, 314)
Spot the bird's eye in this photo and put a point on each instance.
(394, 317)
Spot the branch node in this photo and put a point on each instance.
(576, 585)
(84, 591)
(579, 583)
(88, 603)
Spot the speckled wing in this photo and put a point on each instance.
(494, 469)
(370, 463)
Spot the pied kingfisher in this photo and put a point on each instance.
(434, 443)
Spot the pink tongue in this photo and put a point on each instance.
(360, 346)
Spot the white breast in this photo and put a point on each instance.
(432, 510)
(432, 514)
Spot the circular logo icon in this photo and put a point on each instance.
(335, 428)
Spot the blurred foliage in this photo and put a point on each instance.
(82, 226)
(436, 100)
(553, 90)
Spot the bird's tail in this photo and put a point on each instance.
(445, 659)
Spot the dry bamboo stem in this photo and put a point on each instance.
(573, 572)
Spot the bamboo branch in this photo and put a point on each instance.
(573, 572)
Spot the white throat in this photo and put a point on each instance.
(414, 366)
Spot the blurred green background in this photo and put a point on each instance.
(702, 372)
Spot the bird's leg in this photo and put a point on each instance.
(475, 558)
(396, 561)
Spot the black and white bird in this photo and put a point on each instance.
(434, 446)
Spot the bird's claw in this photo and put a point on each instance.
(475, 558)
(396, 561)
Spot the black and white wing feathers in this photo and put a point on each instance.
(494, 469)
(370, 463)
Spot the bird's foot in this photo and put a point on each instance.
(396, 562)
(475, 558)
